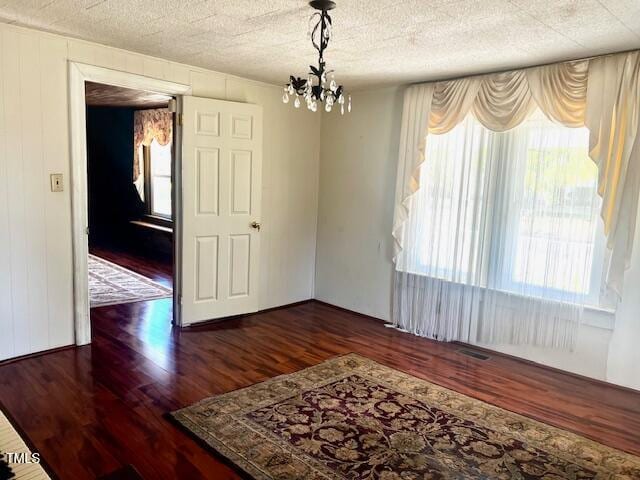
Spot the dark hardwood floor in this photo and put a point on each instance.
(156, 267)
(92, 410)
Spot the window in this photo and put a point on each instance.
(515, 212)
(157, 174)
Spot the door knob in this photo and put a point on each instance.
(255, 225)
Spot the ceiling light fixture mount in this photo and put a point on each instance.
(315, 88)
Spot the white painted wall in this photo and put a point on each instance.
(357, 188)
(624, 354)
(589, 358)
(355, 210)
(35, 224)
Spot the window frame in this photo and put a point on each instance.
(159, 218)
(596, 298)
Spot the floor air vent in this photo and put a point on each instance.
(474, 354)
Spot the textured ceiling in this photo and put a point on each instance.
(375, 41)
(99, 95)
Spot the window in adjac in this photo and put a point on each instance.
(513, 211)
(160, 179)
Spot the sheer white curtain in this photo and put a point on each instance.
(503, 242)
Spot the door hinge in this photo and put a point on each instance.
(86, 230)
(179, 119)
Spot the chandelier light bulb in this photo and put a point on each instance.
(314, 106)
(349, 106)
(342, 109)
(333, 85)
(285, 98)
(296, 103)
(327, 107)
(290, 90)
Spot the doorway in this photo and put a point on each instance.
(79, 76)
(130, 160)
(216, 224)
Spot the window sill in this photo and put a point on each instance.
(600, 310)
(158, 220)
(152, 226)
(599, 317)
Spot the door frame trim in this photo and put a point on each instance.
(79, 73)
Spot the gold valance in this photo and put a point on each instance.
(149, 124)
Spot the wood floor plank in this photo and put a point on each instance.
(94, 409)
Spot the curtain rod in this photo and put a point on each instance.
(512, 69)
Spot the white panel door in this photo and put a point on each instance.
(221, 178)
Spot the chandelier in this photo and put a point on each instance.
(315, 88)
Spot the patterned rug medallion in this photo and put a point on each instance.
(352, 418)
(111, 284)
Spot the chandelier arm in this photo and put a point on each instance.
(315, 30)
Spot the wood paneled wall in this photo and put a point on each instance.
(35, 253)
(36, 271)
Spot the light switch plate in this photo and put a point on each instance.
(56, 182)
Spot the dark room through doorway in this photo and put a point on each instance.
(130, 164)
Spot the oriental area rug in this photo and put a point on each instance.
(111, 284)
(352, 418)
